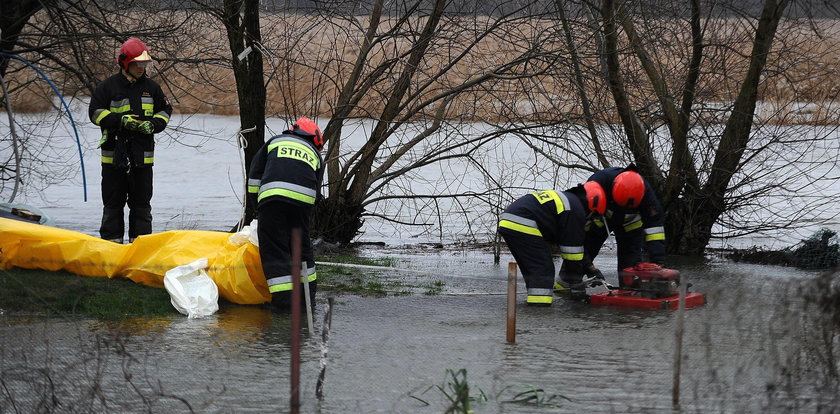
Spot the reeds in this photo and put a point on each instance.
(306, 66)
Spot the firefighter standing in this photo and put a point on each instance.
(285, 177)
(129, 108)
(535, 222)
(634, 215)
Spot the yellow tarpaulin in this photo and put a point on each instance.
(236, 270)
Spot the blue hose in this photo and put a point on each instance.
(69, 114)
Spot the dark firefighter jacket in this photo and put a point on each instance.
(558, 217)
(115, 97)
(287, 168)
(648, 216)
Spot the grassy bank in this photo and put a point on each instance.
(63, 293)
(43, 292)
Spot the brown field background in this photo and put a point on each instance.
(307, 62)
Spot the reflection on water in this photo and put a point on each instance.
(392, 354)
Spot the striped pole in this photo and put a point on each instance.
(309, 323)
(325, 342)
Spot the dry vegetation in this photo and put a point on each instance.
(307, 61)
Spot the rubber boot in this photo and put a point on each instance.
(139, 222)
(578, 292)
(112, 227)
(575, 290)
(281, 302)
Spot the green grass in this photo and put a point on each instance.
(457, 391)
(348, 258)
(365, 282)
(434, 288)
(361, 282)
(46, 292)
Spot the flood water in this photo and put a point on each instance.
(199, 183)
(393, 354)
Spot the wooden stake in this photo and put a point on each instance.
(675, 396)
(511, 303)
(294, 378)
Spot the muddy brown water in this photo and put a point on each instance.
(395, 354)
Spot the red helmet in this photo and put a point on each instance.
(596, 198)
(133, 50)
(308, 128)
(628, 188)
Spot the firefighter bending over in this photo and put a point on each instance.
(634, 215)
(285, 178)
(535, 222)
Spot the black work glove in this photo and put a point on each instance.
(593, 271)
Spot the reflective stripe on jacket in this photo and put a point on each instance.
(145, 100)
(558, 217)
(287, 168)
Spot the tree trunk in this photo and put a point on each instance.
(585, 102)
(637, 138)
(347, 99)
(244, 32)
(688, 226)
(358, 188)
(343, 209)
(15, 14)
(335, 221)
(690, 220)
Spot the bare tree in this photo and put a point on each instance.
(683, 70)
(241, 20)
(415, 69)
(703, 98)
(73, 45)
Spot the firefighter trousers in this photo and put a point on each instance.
(533, 256)
(276, 220)
(121, 187)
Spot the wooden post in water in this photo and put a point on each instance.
(675, 395)
(511, 303)
(325, 347)
(294, 378)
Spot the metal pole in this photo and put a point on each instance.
(511, 303)
(325, 342)
(305, 274)
(295, 334)
(675, 396)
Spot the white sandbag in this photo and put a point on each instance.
(247, 234)
(191, 290)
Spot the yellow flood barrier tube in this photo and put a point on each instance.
(237, 270)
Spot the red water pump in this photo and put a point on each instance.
(650, 279)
